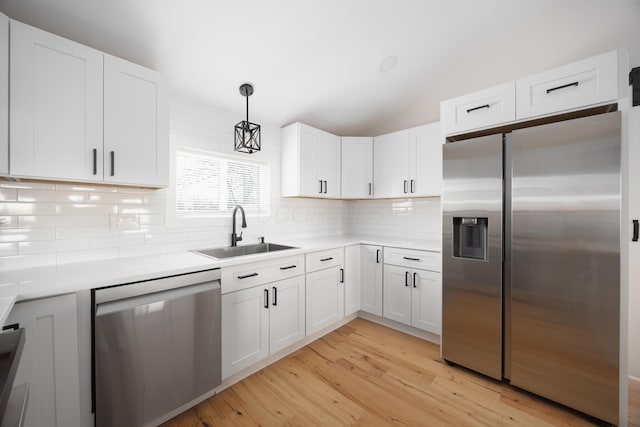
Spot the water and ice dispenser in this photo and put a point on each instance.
(470, 237)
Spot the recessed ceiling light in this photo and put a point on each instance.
(388, 63)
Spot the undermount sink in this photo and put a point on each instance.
(234, 251)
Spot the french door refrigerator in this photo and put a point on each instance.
(531, 259)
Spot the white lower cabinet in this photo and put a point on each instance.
(49, 362)
(325, 299)
(371, 279)
(260, 321)
(352, 280)
(413, 297)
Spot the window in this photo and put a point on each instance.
(211, 183)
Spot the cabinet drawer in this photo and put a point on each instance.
(243, 276)
(480, 109)
(580, 84)
(324, 259)
(411, 258)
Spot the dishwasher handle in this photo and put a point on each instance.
(154, 300)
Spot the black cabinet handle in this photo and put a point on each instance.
(342, 275)
(288, 267)
(326, 259)
(320, 186)
(248, 275)
(325, 187)
(553, 89)
(411, 259)
(405, 186)
(266, 298)
(275, 296)
(113, 163)
(413, 185)
(95, 161)
(370, 189)
(636, 230)
(478, 108)
(406, 278)
(377, 256)
(414, 280)
(13, 326)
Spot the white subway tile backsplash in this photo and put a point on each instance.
(26, 234)
(86, 209)
(8, 194)
(8, 249)
(115, 198)
(84, 232)
(45, 196)
(142, 209)
(116, 242)
(86, 188)
(14, 208)
(8, 221)
(51, 221)
(47, 246)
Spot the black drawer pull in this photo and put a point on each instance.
(414, 280)
(13, 326)
(248, 275)
(563, 86)
(636, 226)
(113, 163)
(326, 259)
(95, 161)
(478, 108)
(275, 296)
(342, 275)
(288, 267)
(405, 186)
(377, 256)
(406, 278)
(320, 186)
(266, 298)
(411, 259)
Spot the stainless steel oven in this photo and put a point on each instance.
(156, 346)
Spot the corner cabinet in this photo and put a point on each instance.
(73, 110)
(408, 163)
(310, 162)
(357, 168)
(49, 362)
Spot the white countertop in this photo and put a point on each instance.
(46, 281)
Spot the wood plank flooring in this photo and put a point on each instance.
(365, 374)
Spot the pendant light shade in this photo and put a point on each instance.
(247, 134)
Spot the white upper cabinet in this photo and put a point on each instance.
(357, 167)
(391, 157)
(481, 109)
(310, 162)
(78, 114)
(4, 94)
(55, 106)
(408, 163)
(136, 124)
(584, 83)
(425, 166)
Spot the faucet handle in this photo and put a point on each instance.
(239, 238)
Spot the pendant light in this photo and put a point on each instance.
(247, 134)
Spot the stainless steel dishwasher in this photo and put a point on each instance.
(156, 346)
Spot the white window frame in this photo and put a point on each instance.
(175, 219)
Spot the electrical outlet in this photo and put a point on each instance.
(122, 222)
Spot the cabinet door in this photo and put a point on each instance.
(391, 165)
(136, 120)
(329, 164)
(56, 106)
(49, 362)
(426, 300)
(286, 313)
(588, 82)
(357, 168)
(245, 329)
(325, 299)
(351, 279)
(310, 181)
(397, 294)
(4, 94)
(426, 161)
(371, 279)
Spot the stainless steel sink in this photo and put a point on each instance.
(234, 251)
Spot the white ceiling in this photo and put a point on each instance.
(317, 61)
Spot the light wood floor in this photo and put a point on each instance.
(369, 375)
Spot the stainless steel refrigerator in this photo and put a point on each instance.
(531, 260)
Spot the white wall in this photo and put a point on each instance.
(56, 223)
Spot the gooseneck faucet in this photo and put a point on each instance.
(234, 237)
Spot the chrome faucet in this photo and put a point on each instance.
(234, 237)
